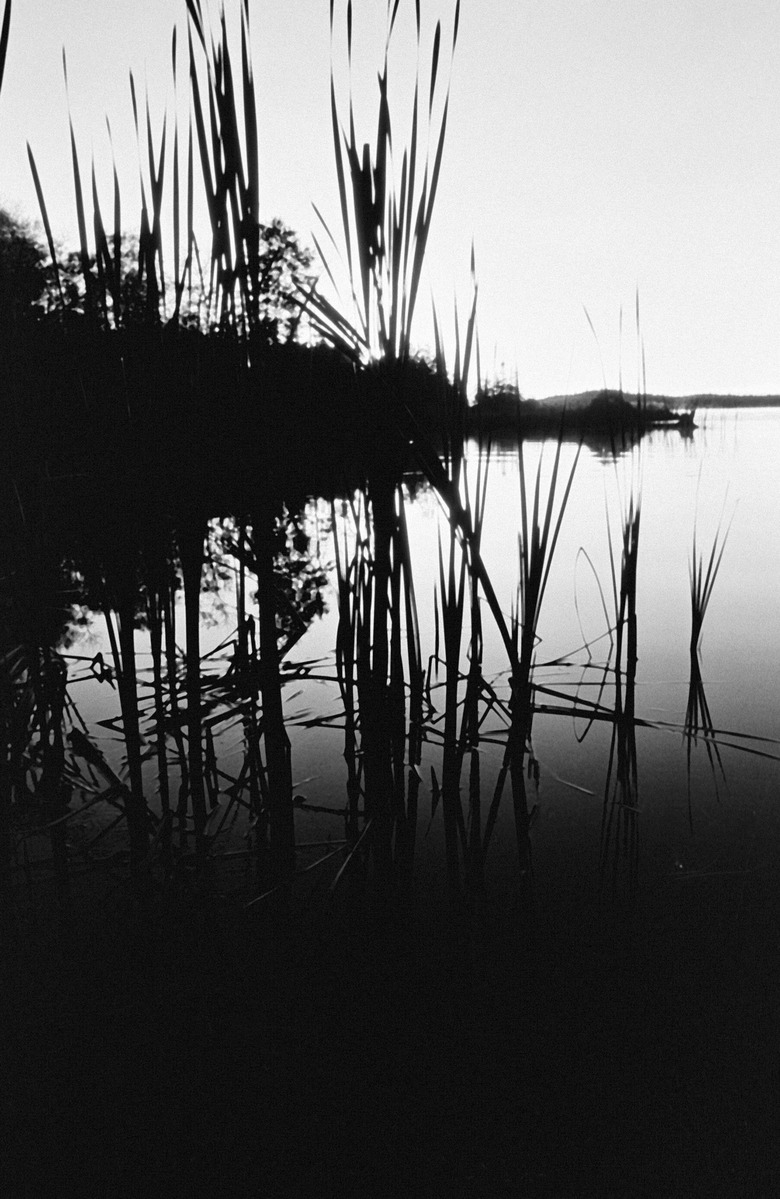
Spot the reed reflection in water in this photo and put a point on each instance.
(450, 705)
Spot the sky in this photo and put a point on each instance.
(596, 150)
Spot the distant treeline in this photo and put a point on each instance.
(703, 400)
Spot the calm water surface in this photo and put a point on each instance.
(698, 815)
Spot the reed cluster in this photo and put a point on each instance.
(169, 398)
(175, 403)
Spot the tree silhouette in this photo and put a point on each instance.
(122, 304)
(284, 277)
(23, 276)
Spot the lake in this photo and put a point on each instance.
(689, 787)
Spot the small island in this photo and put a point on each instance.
(501, 409)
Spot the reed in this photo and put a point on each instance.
(155, 572)
(541, 516)
(387, 198)
(353, 581)
(702, 578)
(698, 720)
(620, 825)
(4, 35)
(386, 221)
(699, 723)
(106, 372)
(231, 179)
(416, 690)
(382, 725)
(452, 591)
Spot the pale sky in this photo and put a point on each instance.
(594, 146)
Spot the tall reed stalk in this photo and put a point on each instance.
(698, 720)
(4, 35)
(541, 516)
(353, 579)
(620, 823)
(461, 839)
(155, 570)
(699, 723)
(538, 538)
(702, 580)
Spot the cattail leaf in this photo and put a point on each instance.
(250, 123)
(437, 164)
(190, 203)
(420, 243)
(323, 260)
(80, 214)
(561, 510)
(393, 15)
(101, 243)
(326, 227)
(365, 233)
(434, 65)
(638, 321)
(410, 199)
(441, 365)
(45, 219)
(217, 148)
(350, 339)
(383, 145)
(158, 186)
(397, 252)
(203, 149)
(4, 35)
(196, 17)
(470, 334)
(176, 219)
(117, 208)
(340, 174)
(117, 264)
(134, 102)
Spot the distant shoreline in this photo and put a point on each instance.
(703, 400)
(502, 411)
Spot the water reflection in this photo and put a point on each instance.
(443, 728)
(699, 726)
(54, 749)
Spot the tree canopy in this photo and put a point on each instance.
(118, 290)
(23, 275)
